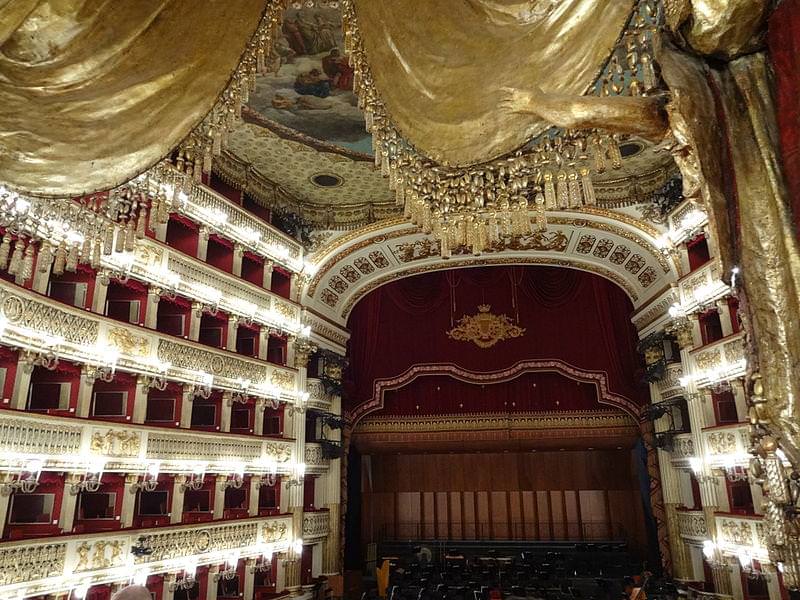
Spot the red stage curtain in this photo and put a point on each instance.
(784, 48)
(568, 315)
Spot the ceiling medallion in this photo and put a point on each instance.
(485, 329)
(326, 180)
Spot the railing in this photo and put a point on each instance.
(316, 524)
(727, 445)
(692, 524)
(736, 533)
(65, 443)
(314, 460)
(702, 287)
(501, 530)
(670, 386)
(32, 568)
(317, 395)
(682, 449)
(33, 322)
(719, 361)
(220, 214)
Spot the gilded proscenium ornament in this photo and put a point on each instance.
(484, 328)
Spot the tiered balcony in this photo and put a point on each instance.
(174, 272)
(44, 327)
(702, 287)
(670, 386)
(35, 568)
(316, 525)
(316, 394)
(727, 446)
(682, 450)
(236, 224)
(70, 444)
(692, 525)
(719, 361)
(742, 534)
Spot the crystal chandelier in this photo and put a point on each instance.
(477, 206)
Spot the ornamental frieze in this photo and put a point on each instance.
(23, 563)
(101, 554)
(184, 356)
(692, 524)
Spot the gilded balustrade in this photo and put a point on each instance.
(692, 525)
(316, 525)
(722, 360)
(737, 534)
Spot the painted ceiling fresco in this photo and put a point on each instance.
(310, 85)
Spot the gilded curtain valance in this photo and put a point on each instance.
(93, 91)
(441, 67)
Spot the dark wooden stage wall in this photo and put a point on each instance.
(570, 495)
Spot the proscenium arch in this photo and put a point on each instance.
(612, 245)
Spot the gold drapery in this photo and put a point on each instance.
(440, 67)
(94, 92)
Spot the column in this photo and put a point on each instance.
(249, 579)
(151, 310)
(140, 399)
(233, 330)
(85, 387)
(294, 286)
(735, 579)
(267, 278)
(22, 380)
(176, 511)
(238, 252)
(331, 481)
(128, 500)
(291, 351)
(5, 502)
(258, 416)
(41, 275)
(168, 593)
(211, 587)
(255, 488)
(280, 572)
(68, 501)
(202, 244)
(219, 495)
(226, 406)
(187, 401)
(100, 293)
(725, 317)
(160, 231)
(194, 321)
(263, 342)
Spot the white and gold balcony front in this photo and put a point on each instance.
(59, 565)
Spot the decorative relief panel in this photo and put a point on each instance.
(378, 259)
(683, 446)
(350, 273)
(191, 447)
(692, 524)
(619, 254)
(604, 246)
(363, 265)
(585, 244)
(316, 524)
(736, 532)
(101, 554)
(728, 445)
(647, 277)
(329, 298)
(337, 284)
(669, 386)
(314, 456)
(184, 356)
(635, 264)
(183, 542)
(115, 442)
(48, 318)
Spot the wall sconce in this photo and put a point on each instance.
(203, 388)
(298, 475)
(236, 478)
(149, 480)
(231, 563)
(263, 563)
(187, 581)
(300, 405)
(159, 380)
(270, 475)
(196, 479)
(91, 480)
(736, 474)
(242, 394)
(25, 481)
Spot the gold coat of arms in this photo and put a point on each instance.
(485, 329)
